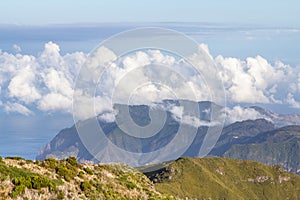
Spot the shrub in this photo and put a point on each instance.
(29, 161)
(37, 162)
(127, 183)
(50, 163)
(67, 169)
(61, 195)
(17, 191)
(98, 187)
(39, 182)
(72, 161)
(85, 186)
(15, 158)
(64, 172)
(130, 185)
(18, 181)
(80, 174)
(88, 170)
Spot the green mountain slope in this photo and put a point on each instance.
(277, 147)
(219, 178)
(67, 179)
(192, 178)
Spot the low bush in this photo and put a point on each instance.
(15, 158)
(23, 179)
(85, 186)
(88, 170)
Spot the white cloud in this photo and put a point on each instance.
(178, 115)
(51, 55)
(263, 73)
(55, 102)
(291, 101)
(46, 81)
(253, 80)
(107, 117)
(239, 113)
(17, 108)
(22, 85)
(56, 82)
(177, 111)
(238, 82)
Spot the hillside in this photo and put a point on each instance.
(219, 178)
(237, 132)
(276, 147)
(249, 140)
(185, 178)
(67, 142)
(67, 179)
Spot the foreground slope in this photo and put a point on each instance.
(67, 179)
(220, 178)
(185, 178)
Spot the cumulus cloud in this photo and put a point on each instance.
(150, 76)
(46, 82)
(255, 80)
(55, 102)
(50, 55)
(22, 85)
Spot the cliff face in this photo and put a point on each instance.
(65, 144)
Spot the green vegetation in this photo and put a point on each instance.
(208, 178)
(65, 179)
(126, 182)
(88, 170)
(22, 179)
(286, 153)
(15, 158)
(67, 169)
(219, 178)
(85, 186)
(61, 195)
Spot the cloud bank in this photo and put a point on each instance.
(46, 82)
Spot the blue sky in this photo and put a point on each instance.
(260, 12)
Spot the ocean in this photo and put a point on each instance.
(25, 136)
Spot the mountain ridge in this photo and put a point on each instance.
(233, 137)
